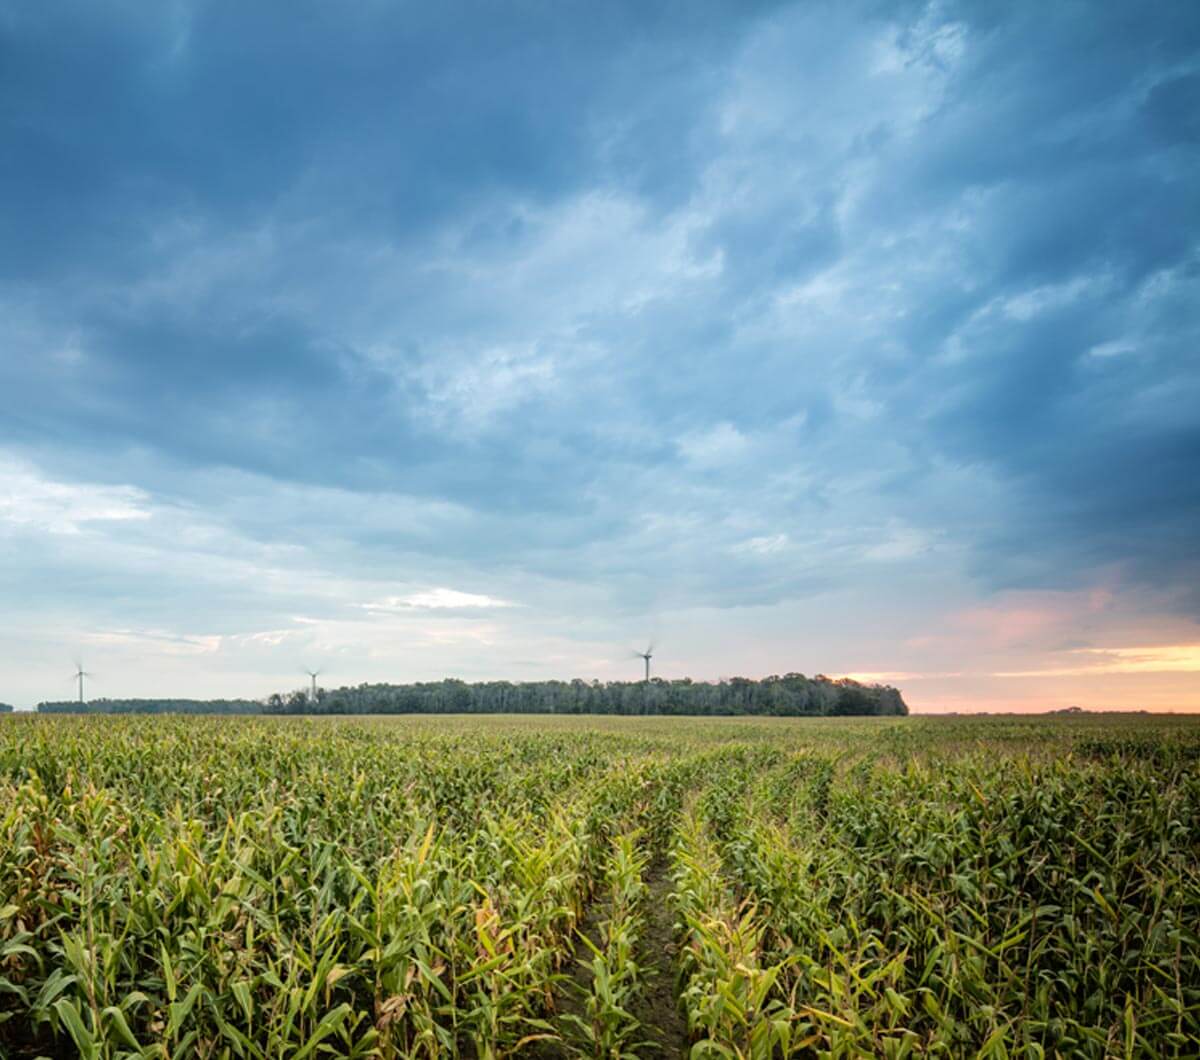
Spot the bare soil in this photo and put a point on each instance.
(658, 1008)
(664, 1030)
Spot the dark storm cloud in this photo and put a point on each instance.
(387, 116)
(635, 286)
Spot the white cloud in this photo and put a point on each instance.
(29, 499)
(434, 600)
(1028, 304)
(1116, 348)
(158, 641)
(470, 392)
(901, 542)
(715, 447)
(765, 545)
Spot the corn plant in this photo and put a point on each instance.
(415, 887)
(608, 1028)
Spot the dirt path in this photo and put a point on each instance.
(658, 1007)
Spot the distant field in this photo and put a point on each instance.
(599, 886)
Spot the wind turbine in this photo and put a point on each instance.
(79, 674)
(648, 654)
(313, 674)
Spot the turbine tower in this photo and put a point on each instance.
(648, 654)
(313, 674)
(79, 674)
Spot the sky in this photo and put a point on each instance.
(410, 340)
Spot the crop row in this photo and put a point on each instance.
(262, 888)
(974, 907)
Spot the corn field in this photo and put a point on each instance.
(582, 887)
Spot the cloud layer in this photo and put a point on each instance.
(424, 340)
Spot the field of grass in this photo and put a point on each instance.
(601, 887)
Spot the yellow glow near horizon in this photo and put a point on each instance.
(1168, 658)
(1157, 677)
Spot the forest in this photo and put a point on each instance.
(792, 695)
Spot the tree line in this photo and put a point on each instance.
(153, 706)
(792, 695)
